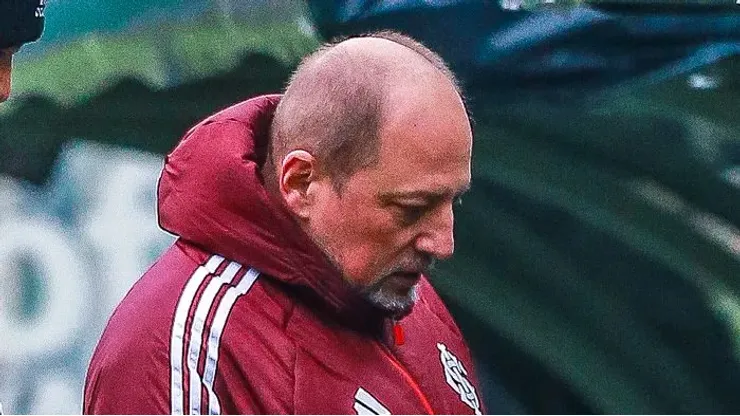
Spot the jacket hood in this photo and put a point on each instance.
(211, 194)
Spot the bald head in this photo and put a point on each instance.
(340, 96)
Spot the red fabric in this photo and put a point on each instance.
(299, 340)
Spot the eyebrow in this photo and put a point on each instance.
(428, 195)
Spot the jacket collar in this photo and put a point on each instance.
(212, 195)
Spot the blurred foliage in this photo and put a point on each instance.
(168, 56)
(129, 113)
(583, 259)
(117, 92)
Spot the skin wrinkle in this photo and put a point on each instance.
(402, 169)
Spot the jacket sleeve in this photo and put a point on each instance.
(125, 383)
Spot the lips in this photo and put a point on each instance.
(406, 278)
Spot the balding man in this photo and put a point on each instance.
(306, 225)
(21, 21)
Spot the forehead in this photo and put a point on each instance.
(425, 143)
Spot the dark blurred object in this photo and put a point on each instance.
(583, 274)
(21, 21)
(570, 51)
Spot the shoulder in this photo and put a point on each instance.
(130, 367)
(192, 319)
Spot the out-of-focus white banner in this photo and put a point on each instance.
(68, 253)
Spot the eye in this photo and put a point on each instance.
(409, 214)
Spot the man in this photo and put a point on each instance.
(21, 21)
(306, 225)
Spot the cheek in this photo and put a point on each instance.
(371, 243)
(361, 239)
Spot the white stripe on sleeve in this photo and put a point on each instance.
(178, 330)
(214, 337)
(365, 402)
(196, 332)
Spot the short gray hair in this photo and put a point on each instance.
(334, 111)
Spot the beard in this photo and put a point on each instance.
(396, 291)
(398, 305)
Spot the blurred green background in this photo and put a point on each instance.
(598, 254)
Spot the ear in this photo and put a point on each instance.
(297, 171)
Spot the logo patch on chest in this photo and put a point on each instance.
(366, 404)
(456, 377)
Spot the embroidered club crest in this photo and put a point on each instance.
(456, 377)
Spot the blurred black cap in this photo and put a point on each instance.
(21, 21)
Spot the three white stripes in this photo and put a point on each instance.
(204, 306)
(178, 330)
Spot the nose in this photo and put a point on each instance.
(438, 238)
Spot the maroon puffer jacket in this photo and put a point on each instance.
(243, 314)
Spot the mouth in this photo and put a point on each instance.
(405, 279)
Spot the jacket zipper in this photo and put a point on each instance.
(410, 380)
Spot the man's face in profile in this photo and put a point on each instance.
(6, 65)
(388, 223)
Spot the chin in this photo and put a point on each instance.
(397, 305)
